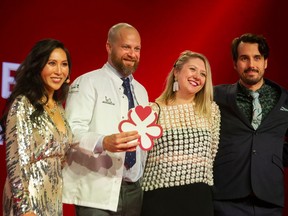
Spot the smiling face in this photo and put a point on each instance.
(191, 77)
(55, 71)
(250, 65)
(124, 51)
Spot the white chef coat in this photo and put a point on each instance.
(95, 105)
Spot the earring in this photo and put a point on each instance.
(175, 86)
(68, 80)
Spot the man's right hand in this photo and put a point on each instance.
(124, 141)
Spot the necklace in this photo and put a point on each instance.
(52, 109)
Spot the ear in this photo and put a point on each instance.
(175, 72)
(108, 47)
(266, 63)
(67, 79)
(235, 65)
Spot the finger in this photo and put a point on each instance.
(129, 133)
(131, 149)
(129, 145)
(123, 137)
(130, 139)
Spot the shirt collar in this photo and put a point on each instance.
(242, 89)
(117, 73)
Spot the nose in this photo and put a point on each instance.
(132, 52)
(196, 74)
(58, 69)
(251, 62)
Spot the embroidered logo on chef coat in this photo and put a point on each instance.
(108, 101)
(74, 88)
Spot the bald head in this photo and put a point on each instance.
(115, 30)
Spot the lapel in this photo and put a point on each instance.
(231, 98)
(280, 105)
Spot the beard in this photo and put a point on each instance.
(121, 67)
(251, 80)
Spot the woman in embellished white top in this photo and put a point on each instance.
(178, 174)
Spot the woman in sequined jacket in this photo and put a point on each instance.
(178, 175)
(36, 132)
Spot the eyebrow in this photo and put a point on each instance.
(245, 55)
(197, 68)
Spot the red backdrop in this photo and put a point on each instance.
(166, 28)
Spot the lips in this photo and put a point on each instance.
(56, 79)
(129, 61)
(192, 82)
(251, 70)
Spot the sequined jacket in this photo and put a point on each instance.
(35, 152)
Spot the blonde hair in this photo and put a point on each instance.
(204, 97)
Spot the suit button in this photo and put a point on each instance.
(254, 152)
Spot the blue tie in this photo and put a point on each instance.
(130, 157)
(257, 110)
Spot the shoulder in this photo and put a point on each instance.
(88, 81)
(276, 86)
(21, 104)
(154, 105)
(215, 112)
(89, 75)
(140, 90)
(224, 87)
(138, 84)
(215, 107)
(21, 100)
(222, 91)
(97, 73)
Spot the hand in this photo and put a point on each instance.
(121, 142)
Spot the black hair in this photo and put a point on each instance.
(29, 81)
(250, 38)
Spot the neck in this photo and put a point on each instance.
(253, 87)
(183, 99)
(50, 101)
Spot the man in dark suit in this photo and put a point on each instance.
(248, 170)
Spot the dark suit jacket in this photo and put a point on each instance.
(250, 161)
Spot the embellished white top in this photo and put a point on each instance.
(186, 151)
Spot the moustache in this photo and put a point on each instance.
(251, 69)
(132, 60)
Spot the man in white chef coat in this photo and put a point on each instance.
(96, 179)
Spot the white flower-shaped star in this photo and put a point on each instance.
(143, 120)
